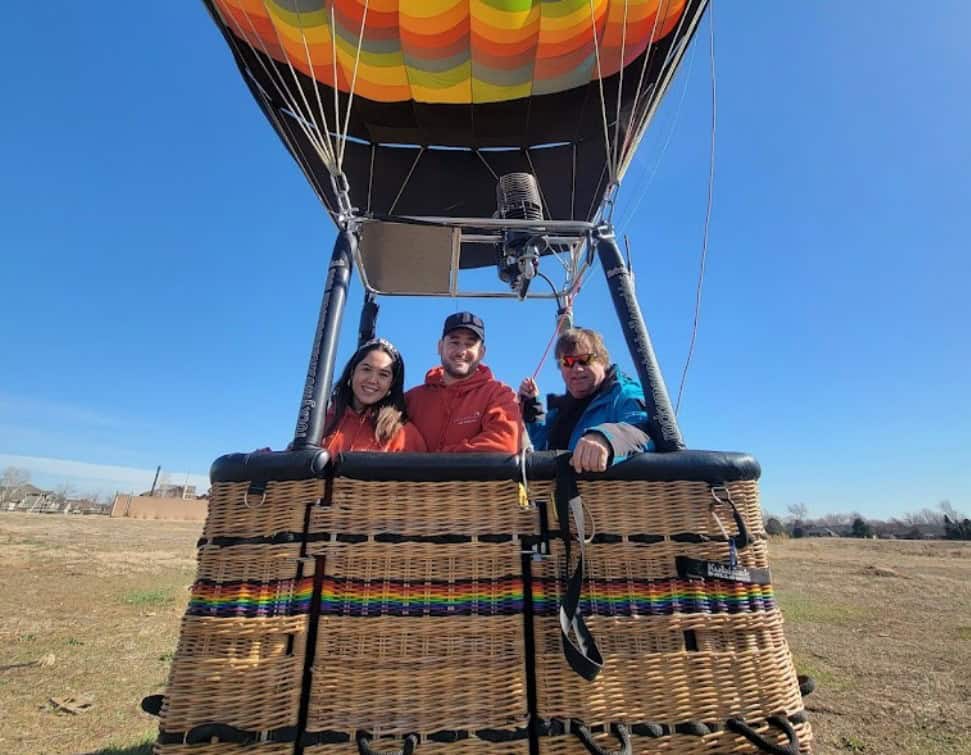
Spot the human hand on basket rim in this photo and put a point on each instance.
(591, 453)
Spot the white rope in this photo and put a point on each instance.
(620, 83)
(283, 92)
(370, 176)
(641, 187)
(285, 96)
(321, 142)
(593, 202)
(333, 51)
(350, 99)
(324, 151)
(640, 80)
(421, 151)
(539, 186)
(670, 65)
(600, 84)
(711, 186)
(486, 163)
(320, 102)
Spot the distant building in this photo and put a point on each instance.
(164, 490)
(818, 531)
(157, 507)
(27, 497)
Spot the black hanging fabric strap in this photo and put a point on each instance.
(152, 704)
(364, 745)
(780, 722)
(206, 733)
(721, 494)
(581, 653)
(807, 685)
(618, 730)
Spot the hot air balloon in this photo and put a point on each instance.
(431, 603)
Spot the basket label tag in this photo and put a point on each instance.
(693, 568)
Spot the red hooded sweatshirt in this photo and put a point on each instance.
(476, 414)
(355, 432)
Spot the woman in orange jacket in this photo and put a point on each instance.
(367, 409)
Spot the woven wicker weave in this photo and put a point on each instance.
(674, 650)
(236, 511)
(416, 601)
(224, 748)
(421, 612)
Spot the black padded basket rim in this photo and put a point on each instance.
(713, 467)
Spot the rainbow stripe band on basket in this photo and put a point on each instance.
(660, 597)
(487, 597)
(282, 597)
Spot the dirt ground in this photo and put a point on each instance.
(92, 609)
(885, 629)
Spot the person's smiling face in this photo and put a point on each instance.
(582, 373)
(461, 351)
(371, 379)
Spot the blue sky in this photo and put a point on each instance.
(162, 256)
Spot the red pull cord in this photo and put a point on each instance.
(556, 329)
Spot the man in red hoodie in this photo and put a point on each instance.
(461, 407)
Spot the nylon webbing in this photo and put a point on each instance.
(581, 653)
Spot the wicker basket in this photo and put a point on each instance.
(354, 616)
(677, 652)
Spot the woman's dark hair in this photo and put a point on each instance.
(388, 414)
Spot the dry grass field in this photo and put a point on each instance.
(91, 608)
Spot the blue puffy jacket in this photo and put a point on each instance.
(617, 413)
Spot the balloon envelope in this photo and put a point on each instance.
(422, 104)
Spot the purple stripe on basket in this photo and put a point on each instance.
(663, 597)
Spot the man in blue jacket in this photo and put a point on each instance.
(601, 417)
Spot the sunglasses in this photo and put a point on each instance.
(582, 359)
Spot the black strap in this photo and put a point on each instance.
(153, 704)
(807, 685)
(618, 730)
(780, 722)
(205, 733)
(582, 654)
(364, 745)
(743, 539)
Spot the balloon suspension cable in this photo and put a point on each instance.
(564, 314)
(711, 186)
(641, 188)
(342, 190)
(610, 201)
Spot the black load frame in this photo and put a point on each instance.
(596, 239)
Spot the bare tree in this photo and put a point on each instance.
(14, 477)
(834, 521)
(64, 491)
(924, 516)
(797, 511)
(949, 511)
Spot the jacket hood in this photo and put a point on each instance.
(435, 378)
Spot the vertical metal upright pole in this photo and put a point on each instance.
(663, 425)
(369, 319)
(320, 373)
